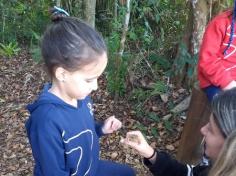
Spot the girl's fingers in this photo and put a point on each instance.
(109, 122)
(112, 117)
(116, 125)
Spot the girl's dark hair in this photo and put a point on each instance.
(232, 28)
(70, 43)
(224, 110)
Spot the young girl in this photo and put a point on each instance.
(61, 128)
(217, 63)
(216, 132)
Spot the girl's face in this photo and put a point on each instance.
(214, 139)
(80, 84)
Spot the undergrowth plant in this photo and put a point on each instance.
(154, 33)
(20, 18)
(117, 67)
(22, 21)
(9, 50)
(34, 47)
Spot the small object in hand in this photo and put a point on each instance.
(122, 139)
(133, 138)
(123, 142)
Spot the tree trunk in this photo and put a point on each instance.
(122, 43)
(84, 9)
(198, 18)
(74, 7)
(199, 109)
(106, 13)
(58, 3)
(197, 114)
(89, 11)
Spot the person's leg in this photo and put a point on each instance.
(108, 168)
(211, 91)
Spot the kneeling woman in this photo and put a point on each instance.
(221, 124)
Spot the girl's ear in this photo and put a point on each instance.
(60, 74)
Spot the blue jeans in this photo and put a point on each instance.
(109, 168)
(211, 91)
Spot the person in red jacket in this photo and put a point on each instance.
(217, 57)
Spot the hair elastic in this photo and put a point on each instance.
(61, 10)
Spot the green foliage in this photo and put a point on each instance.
(34, 49)
(36, 53)
(154, 132)
(116, 79)
(159, 62)
(117, 68)
(154, 29)
(156, 24)
(159, 87)
(168, 125)
(153, 117)
(19, 19)
(9, 50)
(140, 95)
(73, 7)
(141, 127)
(170, 105)
(183, 58)
(118, 64)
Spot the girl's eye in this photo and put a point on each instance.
(89, 80)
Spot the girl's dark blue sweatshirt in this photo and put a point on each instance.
(63, 138)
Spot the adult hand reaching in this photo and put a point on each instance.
(136, 140)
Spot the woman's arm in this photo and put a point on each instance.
(160, 164)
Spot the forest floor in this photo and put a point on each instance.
(21, 79)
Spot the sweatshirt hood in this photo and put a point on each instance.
(46, 98)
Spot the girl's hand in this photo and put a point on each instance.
(136, 140)
(111, 124)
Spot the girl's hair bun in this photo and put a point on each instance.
(57, 13)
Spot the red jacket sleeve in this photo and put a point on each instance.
(211, 54)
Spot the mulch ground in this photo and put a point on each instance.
(21, 79)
